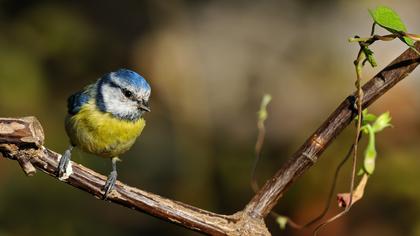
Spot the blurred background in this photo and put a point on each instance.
(209, 63)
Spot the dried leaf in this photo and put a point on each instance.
(344, 198)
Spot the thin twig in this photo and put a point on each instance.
(262, 116)
(258, 147)
(358, 63)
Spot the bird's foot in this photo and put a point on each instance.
(109, 185)
(64, 162)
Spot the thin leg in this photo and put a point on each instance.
(64, 161)
(112, 178)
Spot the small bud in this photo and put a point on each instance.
(370, 153)
(383, 121)
(282, 221)
(262, 113)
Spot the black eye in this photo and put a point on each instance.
(127, 93)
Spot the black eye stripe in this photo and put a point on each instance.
(127, 93)
(113, 84)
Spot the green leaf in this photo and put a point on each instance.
(370, 153)
(391, 21)
(282, 221)
(369, 56)
(383, 121)
(369, 117)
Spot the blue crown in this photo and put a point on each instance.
(128, 78)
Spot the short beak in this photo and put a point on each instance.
(144, 106)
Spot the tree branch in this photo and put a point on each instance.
(310, 151)
(22, 139)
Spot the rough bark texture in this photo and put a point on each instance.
(22, 139)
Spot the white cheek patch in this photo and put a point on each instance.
(115, 102)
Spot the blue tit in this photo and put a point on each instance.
(106, 117)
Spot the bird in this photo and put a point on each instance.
(105, 119)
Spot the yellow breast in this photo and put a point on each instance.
(100, 133)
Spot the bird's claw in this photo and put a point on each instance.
(64, 162)
(110, 183)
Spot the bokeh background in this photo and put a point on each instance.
(209, 63)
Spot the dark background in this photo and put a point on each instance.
(209, 63)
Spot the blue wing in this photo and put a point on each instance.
(76, 101)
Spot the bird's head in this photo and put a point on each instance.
(123, 93)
